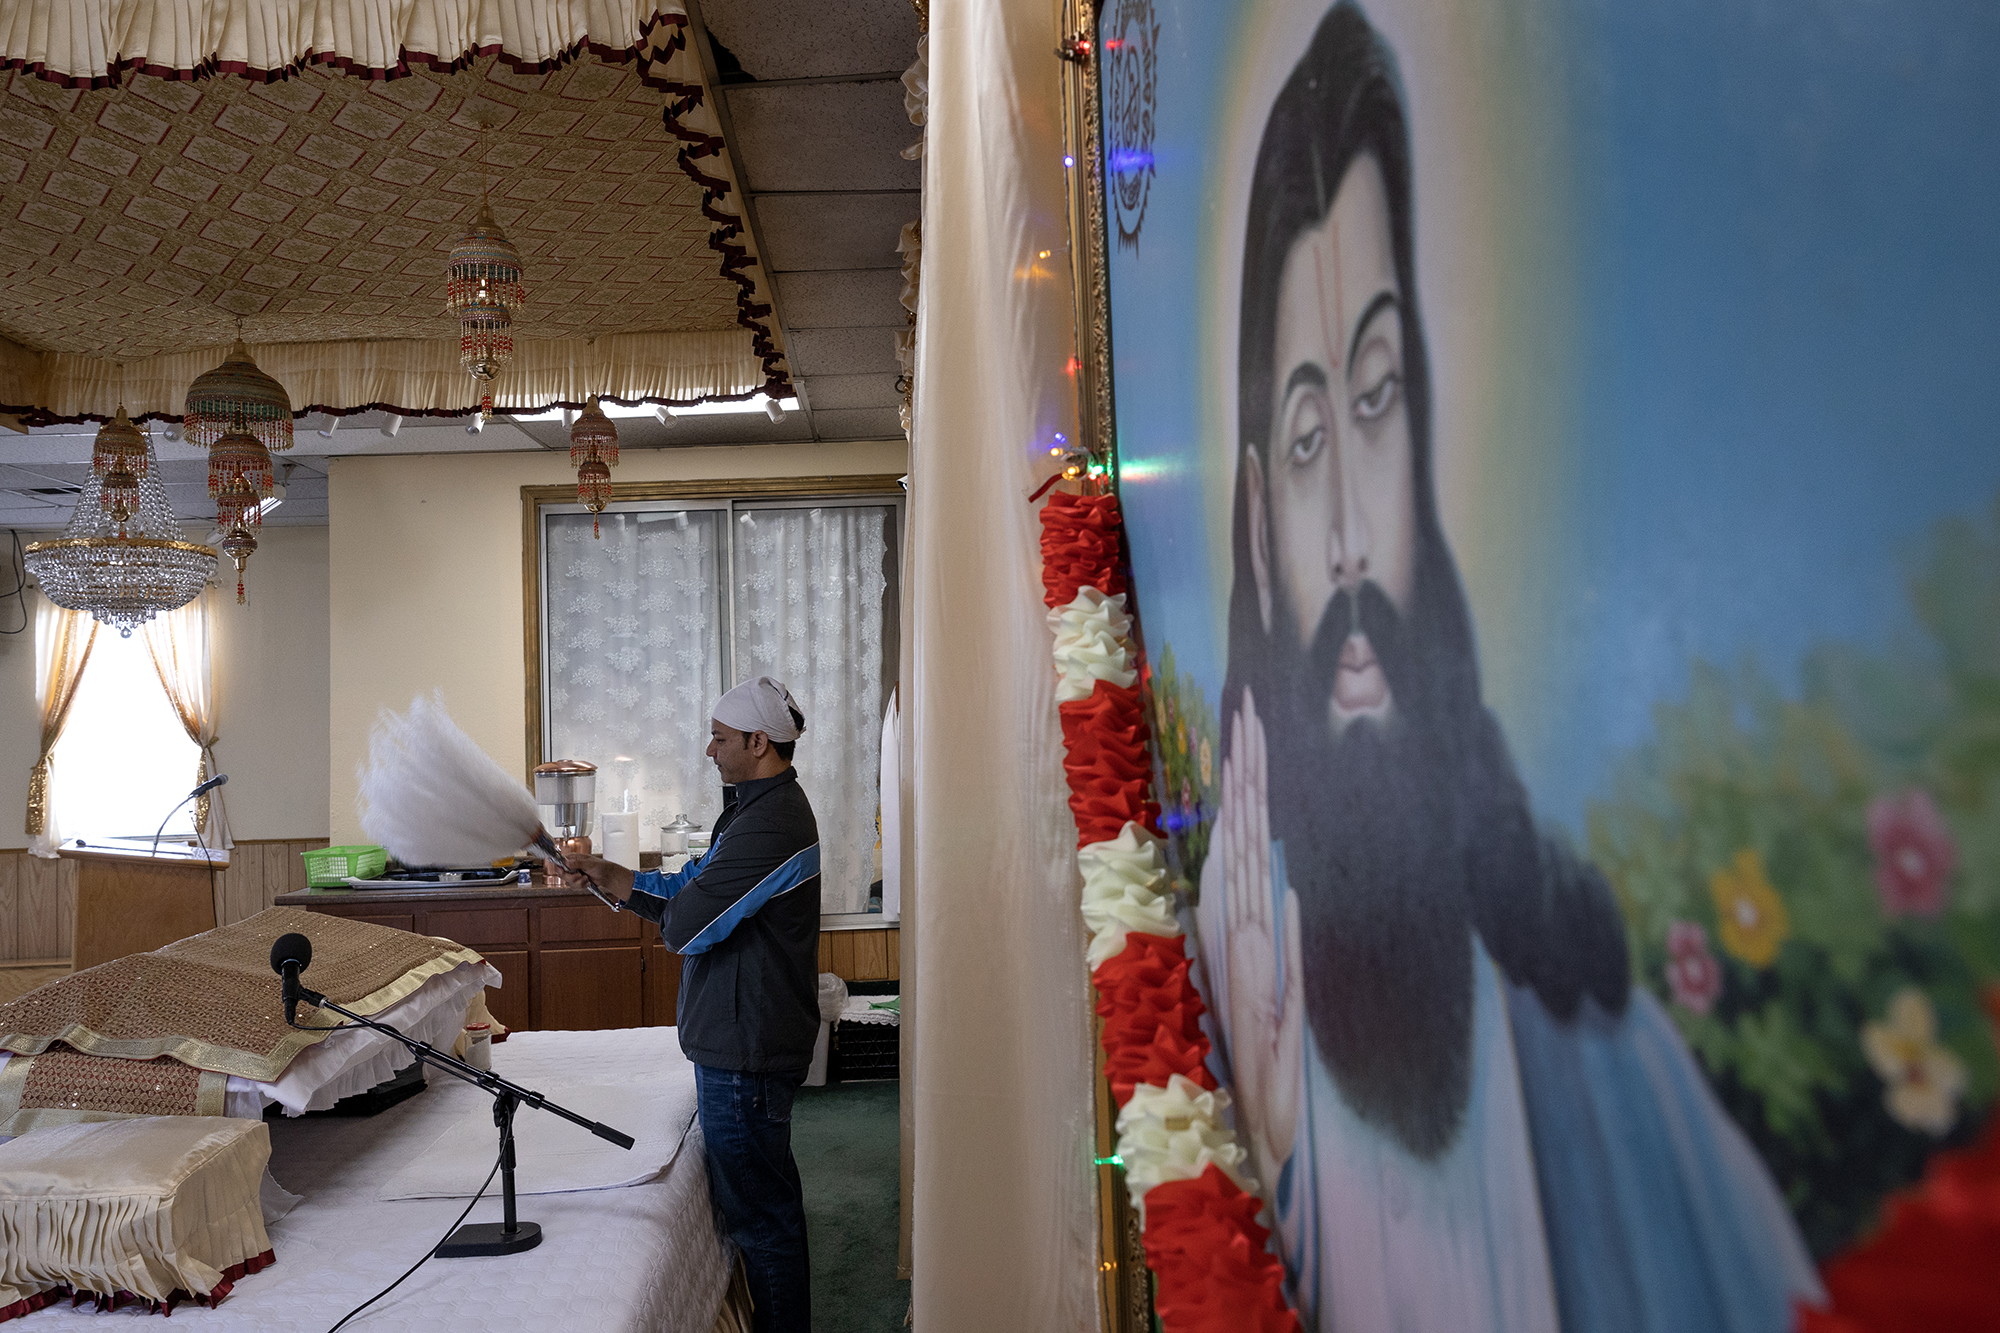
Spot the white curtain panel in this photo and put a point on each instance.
(1001, 1052)
(809, 613)
(633, 656)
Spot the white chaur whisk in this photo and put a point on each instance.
(432, 797)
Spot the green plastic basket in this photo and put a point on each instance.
(331, 867)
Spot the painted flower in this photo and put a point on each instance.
(1693, 975)
(1924, 1080)
(1750, 914)
(1914, 854)
(1207, 763)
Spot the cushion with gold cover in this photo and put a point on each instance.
(211, 1002)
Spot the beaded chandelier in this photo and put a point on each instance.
(593, 452)
(123, 570)
(118, 459)
(483, 289)
(238, 397)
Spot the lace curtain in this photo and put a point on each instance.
(634, 656)
(809, 586)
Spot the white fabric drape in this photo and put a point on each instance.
(892, 811)
(634, 656)
(83, 40)
(809, 613)
(1004, 1195)
(63, 640)
(179, 643)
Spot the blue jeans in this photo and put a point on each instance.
(746, 1126)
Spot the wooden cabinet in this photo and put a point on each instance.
(567, 961)
(570, 962)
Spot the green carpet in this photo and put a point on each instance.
(845, 1139)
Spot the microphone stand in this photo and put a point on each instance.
(477, 1238)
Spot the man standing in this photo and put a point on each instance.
(745, 918)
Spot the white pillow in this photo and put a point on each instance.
(357, 1059)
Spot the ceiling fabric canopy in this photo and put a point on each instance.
(88, 43)
(170, 168)
(412, 377)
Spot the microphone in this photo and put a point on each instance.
(203, 790)
(291, 955)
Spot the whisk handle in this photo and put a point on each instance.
(547, 846)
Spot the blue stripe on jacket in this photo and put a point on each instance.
(800, 869)
(659, 884)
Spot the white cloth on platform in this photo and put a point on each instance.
(647, 1257)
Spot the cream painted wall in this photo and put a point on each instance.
(426, 581)
(20, 720)
(271, 676)
(271, 673)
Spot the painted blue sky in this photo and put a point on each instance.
(1792, 338)
(1789, 310)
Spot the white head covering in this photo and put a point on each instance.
(761, 705)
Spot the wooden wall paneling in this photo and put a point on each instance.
(843, 954)
(295, 866)
(825, 952)
(66, 872)
(871, 955)
(275, 877)
(894, 944)
(42, 932)
(10, 906)
(243, 883)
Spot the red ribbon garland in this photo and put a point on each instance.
(1080, 537)
(1202, 1238)
(1933, 1263)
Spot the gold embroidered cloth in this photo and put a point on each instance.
(65, 1087)
(211, 1000)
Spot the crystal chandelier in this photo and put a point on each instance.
(483, 289)
(124, 569)
(240, 414)
(593, 452)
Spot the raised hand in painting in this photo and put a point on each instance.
(1265, 1019)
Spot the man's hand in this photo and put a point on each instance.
(615, 880)
(1265, 1038)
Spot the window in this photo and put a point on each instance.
(124, 759)
(640, 629)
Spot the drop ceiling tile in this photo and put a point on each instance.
(834, 231)
(810, 39)
(838, 392)
(841, 351)
(842, 298)
(822, 136)
(865, 424)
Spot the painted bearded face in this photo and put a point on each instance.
(1362, 783)
(1331, 498)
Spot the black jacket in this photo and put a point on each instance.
(745, 919)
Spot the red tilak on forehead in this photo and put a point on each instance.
(1339, 302)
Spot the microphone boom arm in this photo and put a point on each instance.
(484, 1079)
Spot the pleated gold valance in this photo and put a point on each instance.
(409, 376)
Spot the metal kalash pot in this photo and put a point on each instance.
(567, 791)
